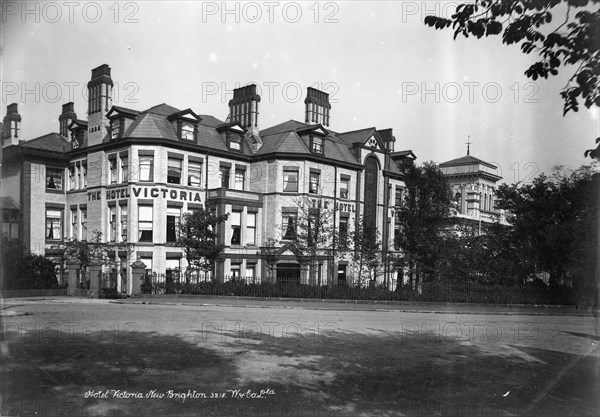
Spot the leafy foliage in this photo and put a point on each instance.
(572, 41)
(555, 223)
(366, 243)
(422, 216)
(316, 236)
(198, 234)
(23, 270)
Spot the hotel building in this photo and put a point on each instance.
(131, 174)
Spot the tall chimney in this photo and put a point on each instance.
(388, 138)
(243, 108)
(11, 125)
(317, 106)
(99, 103)
(66, 117)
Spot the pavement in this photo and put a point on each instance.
(342, 305)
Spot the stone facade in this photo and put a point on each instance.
(131, 174)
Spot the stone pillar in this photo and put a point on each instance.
(95, 276)
(73, 267)
(303, 273)
(138, 269)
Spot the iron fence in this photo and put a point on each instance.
(177, 283)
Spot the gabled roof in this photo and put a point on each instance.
(356, 136)
(78, 122)
(122, 110)
(183, 113)
(467, 160)
(49, 142)
(317, 128)
(233, 126)
(403, 154)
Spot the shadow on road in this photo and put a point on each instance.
(327, 374)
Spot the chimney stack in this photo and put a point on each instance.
(317, 107)
(243, 108)
(67, 116)
(11, 125)
(99, 103)
(388, 138)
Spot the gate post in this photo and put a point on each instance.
(138, 269)
(73, 267)
(95, 276)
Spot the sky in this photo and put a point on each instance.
(380, 64)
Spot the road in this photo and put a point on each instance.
(95, 357)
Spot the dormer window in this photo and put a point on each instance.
(316, 145)
(187, 131)
(115, 129)
(235, 142)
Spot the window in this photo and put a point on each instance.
(72, 178)
(458, 199)
(194, 174)
(251, 229)
(250, 273)
(187, 131)
(53, 224)
(174, 171)
(112, 222)
(343, 230)
(123, 223)
(344, 185)
(74, 224)
(145, 223)
(236, 228)
(10, 224)
(240, 176)
(84, 224)
(289, 225)
(313, 186)
(173, 218)
(235, 270)
(147, 168)
(124, 169)
(54, 179)
(113, 170)
(224, 177)
(396, 236)
(84, 167)
(115, 129)
(173, 264)
(316, 145)
(290, 181)
(235, 142)
(399, 196)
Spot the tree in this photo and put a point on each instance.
(317, 236)
(573, 41)
(23, 270)
(88, 251)
(199, 238)
(554, 225)
(367, 250)
(422, 217)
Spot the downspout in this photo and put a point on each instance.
(335, 180)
